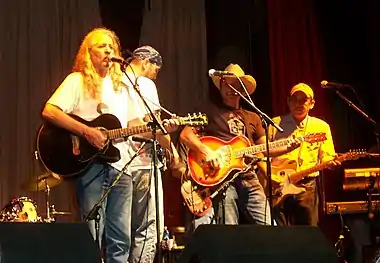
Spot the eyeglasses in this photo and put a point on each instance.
(295, 100)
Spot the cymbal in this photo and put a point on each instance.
(39, 183)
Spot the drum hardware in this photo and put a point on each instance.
(54, 212)
(20, 209)
(45, 182)
(42, 181)
(47, 196)
(50, 181)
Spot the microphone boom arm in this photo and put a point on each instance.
(259, 112)
(365, 115)
(356, 108)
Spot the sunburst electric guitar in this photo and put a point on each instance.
(198, 196)
(231, 156)
(286, 178)
(198, 199)
(67, 154)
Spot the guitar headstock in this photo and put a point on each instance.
(195, 119)
(353, 154)
(315, 137)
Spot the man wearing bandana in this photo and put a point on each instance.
(144, 66)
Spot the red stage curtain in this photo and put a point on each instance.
(295, 51)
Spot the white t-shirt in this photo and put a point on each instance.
(137, 109)
(71, 98)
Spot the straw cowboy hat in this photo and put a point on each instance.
(249, 81)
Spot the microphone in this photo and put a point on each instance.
(141, 139)
(102, 108)
(118, 60)
(328, 85)
(219, 73)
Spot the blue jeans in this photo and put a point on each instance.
(246, 194)
(144, 237)
(115, 216)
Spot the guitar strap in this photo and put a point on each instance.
(249, 128)
(248, 125)
(300, 160)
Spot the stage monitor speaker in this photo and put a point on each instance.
(47, 243)
(259, 244)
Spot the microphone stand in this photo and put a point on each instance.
(366, 116)
(370, 120)
(266, 121)
(155, 125)
(93, 214)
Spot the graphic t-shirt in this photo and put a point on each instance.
(226, 123)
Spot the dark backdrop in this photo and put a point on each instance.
(280, 43)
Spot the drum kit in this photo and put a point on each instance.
(24, 209)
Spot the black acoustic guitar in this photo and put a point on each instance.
(67, 154)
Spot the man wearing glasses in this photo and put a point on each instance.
(302, 209)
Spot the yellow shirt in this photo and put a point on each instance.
(308, 154)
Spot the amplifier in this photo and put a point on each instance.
(362, 172)
(355, 207)
(361, 179)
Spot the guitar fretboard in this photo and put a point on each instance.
(125, 132)
(301, 174)
(261, 148)
(294, 178)
(191, 120)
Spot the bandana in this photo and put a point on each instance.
(147, 52)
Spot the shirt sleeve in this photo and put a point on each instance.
(149, 91)
(66, 96)
(327, 150)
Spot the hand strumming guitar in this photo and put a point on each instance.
(95, 137)
(209, 157)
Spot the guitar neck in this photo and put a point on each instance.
(261, 148)
(301, 174)
(125, 132)
(194, 120)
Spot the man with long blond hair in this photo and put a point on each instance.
(96, 86)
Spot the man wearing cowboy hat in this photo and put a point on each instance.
(226, 120)
(303, 208)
